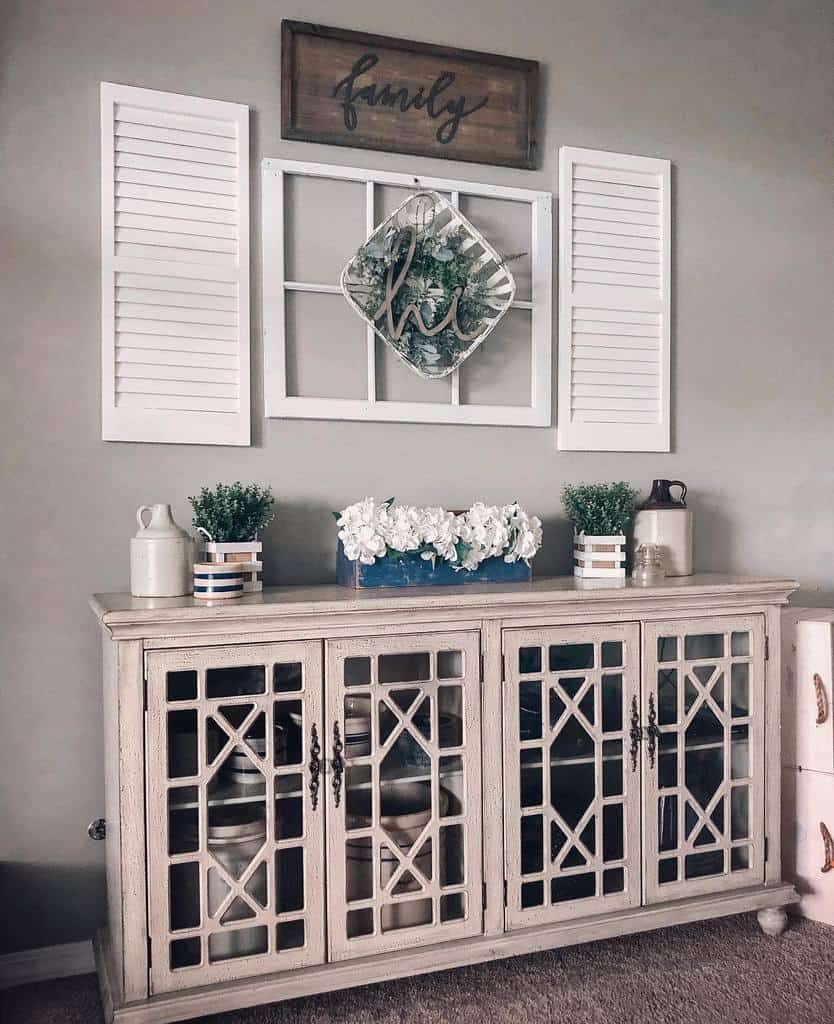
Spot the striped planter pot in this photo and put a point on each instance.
(599, 557)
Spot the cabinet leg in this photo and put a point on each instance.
(772, 920)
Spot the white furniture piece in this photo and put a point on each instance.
(808, 757)
(314, 788)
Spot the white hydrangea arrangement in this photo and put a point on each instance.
(372, 529)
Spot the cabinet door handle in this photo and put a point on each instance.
(634, 733)
(828, 846)
(822, 700)
(315, 766)
(652, 731)
(337, 764)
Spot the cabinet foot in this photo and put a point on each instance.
(772, 920)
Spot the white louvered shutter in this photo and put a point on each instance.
(614, 302)
(175, 268)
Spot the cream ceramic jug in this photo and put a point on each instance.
(161, 555)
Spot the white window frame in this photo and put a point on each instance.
(275, 286)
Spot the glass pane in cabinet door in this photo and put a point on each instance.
(228, 741)
(705, 681)
(400, 844)
(577, 795)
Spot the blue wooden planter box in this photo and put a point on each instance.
(412, 571)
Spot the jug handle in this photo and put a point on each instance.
(682, 485)
(139, 513)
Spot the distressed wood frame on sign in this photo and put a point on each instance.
(319, 62)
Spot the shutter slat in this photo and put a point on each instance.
(580, 211)
(189, 389)
(613, 240)
(611, 366)
(178, 211)
(178, 151)
(609, 202)
(610, 265)
(615, 391)
(632, 280)
(614, 175)
(177, 168)
(175, 314)
(204, 360)
(606, 188)
(611, 252)
(202, 229)
(169, 297)
(167, 343)
(615, 416)
(179, 403)
(617, 316)
(629, 232)
(620, 330)
(188, 197)
(202, 140)
(604, 378)
(136, 370)
(176, 330)
(597, 353)
(126, 112)
(137, 176)
(175, 260)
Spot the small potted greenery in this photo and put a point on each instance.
(230, 517)
(599, 513)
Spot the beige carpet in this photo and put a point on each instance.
(723, 971)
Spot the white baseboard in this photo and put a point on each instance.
(46, 963)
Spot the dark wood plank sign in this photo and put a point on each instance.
(373, 92)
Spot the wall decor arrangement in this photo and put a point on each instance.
(175, 268)
(373, 92)
(600, 514)
(505, 381)
(429, 284)
(381, 544)
(614, 302)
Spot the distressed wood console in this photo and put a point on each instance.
(313, 788)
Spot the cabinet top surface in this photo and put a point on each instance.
(328, 599)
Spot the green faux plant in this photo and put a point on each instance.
(599, 510)
(232, 512)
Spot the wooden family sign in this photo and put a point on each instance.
(373, 92)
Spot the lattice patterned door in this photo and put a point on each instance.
(404, 792)
(703, 704)
(235, 819)
(571, 772)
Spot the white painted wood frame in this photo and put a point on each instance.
(615, 258)
(467, 820)
(712, 690)
(210, 709)
(275, 287)
(526, 654)
(175, 268)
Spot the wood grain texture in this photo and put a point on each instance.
(350, 88)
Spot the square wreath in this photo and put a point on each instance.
(429, 284)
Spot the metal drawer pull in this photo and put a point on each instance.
(828, 844)
(97, 829)
(652, 731)
(822, 700)
(634, 733)
(337, 764)
(314, 766)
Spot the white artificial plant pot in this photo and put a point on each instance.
(244, 555)
(599, 557)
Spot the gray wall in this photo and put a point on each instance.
(733, 92)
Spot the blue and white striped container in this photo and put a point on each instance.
(215, 581)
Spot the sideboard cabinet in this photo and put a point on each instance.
(312, 788)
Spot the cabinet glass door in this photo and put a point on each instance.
(235, 820)
(704, 755)
(404, 792)
(571, 772)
